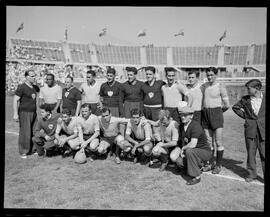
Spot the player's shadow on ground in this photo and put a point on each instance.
(232, 165)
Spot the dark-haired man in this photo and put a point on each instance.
(71, 97)
(194, 89)
(110, 94)
(132, 94)
(51, 94)
(111, 136)
(252, 108)
(67, 132)
(24, 111)
(152, 100)
(89, 136)
(45, 131)
(90, 92)
(139, 133)
(215, 102)
(173, 93)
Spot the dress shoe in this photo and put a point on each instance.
(193, 181)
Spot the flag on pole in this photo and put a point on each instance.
(66, 34)
(142, 33)
(181, 32)
(103, 32)
(20, 28)
(223, 36)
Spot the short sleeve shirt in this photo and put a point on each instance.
(50, 94)
(71, 128)
(28, 97)
(194, 130)
(169, 133)
(141, 132)
(49, 126)
(90, 125)
(111, 94)
(112, 128)
(152, 94)
(70, 98)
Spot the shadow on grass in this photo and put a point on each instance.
(232, 165)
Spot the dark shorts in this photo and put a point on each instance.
(128, 106)
(95, 110)
(151, 113)
(114, 111)
(52, 106)
(87, 136)
(212, 118)
(174, 114)
(110, 140)
(197, 116)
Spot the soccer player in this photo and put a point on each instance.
(90, 92)
(24, 111)
(109, 126)
(168, 137)
(252, 108)
(110, 94)
(51, 94)
(194, 88)
(45, 131)
(90, 129)
(132, 94)
(152, 101)
(68, 127)
(139, 133)
(71, 97)
(215, 102)
(173, 93)
(195, 148)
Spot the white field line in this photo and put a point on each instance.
(11, 132)
(233, 178)
(208, 173)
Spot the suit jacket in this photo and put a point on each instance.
(253, 122)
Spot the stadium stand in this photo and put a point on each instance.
(156, 56)
(235, 55)
(259, 54)
(111, 54)
(195, 56)
(235, 63)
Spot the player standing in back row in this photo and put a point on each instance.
(173, 93)
(215, 102)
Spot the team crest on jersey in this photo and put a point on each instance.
(66, 94)
(50, 126)
(150, 94)
(33, 96)
(110, 93)
(186, 140)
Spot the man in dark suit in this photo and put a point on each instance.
(252, 108)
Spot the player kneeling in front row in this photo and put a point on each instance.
(68, 127)
(90, 130)
(195, 149)
(45, 130)
(139, 133)
(109, 126)
(168, 137)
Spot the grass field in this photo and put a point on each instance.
(58, 183)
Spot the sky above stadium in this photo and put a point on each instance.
(202, 26)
